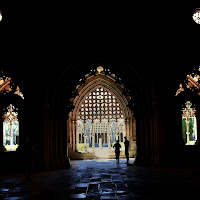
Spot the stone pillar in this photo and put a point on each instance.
(100, 142)
(71, 135)
(131, 129)
(134, 129)
(127, 128)
(93, 135)
(108, 135)
(117, 131)
(73, 140)
(75, 135)
(85, 137)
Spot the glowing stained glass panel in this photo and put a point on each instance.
(189, 124)
(10, 129)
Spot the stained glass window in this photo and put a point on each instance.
(189, 124)
(10, 129)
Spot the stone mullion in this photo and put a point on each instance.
(104, 111)
(85, 136)
(93, 135)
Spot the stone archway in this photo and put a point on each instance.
(109, 83)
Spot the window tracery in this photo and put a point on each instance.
(10, 129)
(189, 121)
(189, 124)
(100, 104)
(100, 119)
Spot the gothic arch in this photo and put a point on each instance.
(109, 83)
(11, 100)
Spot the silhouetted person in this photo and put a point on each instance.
(117, 147)
(126, 144)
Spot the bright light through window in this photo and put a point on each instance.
(10, 129)
(100, 121)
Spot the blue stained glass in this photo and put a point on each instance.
(10, 133)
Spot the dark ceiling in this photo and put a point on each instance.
(48, 37)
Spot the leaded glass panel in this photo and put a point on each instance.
(10, 129)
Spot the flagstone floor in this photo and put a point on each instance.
(104, 179)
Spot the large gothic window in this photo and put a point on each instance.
(189, 120)
(189, 124)
(100, 120)
(10, 129)
(100, 112)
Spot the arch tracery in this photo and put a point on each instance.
(100, 114)
(10, 118)
(100, 109)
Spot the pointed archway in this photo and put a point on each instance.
(93, 86)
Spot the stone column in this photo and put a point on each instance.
(85, 137)
(117, 131)
(127, 128)
(134, 129)
(108, 135)
(93, 135)
(100, 142)
(73, 135)
(77, 136)
(131, 129)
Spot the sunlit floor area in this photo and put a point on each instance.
(102, 153)
(103, 179)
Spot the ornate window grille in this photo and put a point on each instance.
(100, 119)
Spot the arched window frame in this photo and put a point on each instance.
(189, 115)
(8, 86)
(10, 129)
(191, 87)
(89, 83)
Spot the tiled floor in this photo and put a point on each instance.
(104, 179)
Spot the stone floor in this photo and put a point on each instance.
(104, 179)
